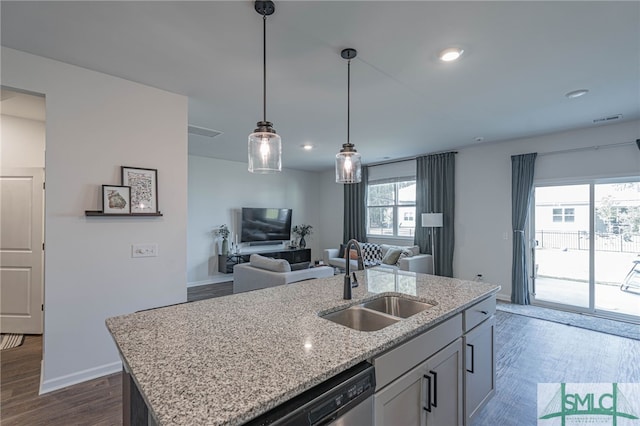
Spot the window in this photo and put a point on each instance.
(564, 215)
(391, 208)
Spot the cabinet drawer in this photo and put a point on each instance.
(479, 312)
(397, 361)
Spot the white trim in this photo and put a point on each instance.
(51, 385)
(215, 279)
(503, 297)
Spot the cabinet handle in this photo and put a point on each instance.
(435, 388)
(472, 357)
(428, 407)
(485, 312)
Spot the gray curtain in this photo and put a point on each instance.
(355, 209)
(435, 193)
(522, 168)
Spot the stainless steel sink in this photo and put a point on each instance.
(397, 306)
(362, 319)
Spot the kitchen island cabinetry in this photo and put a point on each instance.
(443, 376)
(228, 360)
(480, 368)
(429, 394)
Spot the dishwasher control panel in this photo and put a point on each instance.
(341, 397)
(325, 402)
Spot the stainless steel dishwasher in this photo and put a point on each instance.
(345, 399)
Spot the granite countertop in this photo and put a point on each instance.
(226, 360)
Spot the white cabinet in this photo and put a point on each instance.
(429, 394)
(480, 368)
(444, 375)
(441, 377)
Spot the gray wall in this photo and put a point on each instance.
(218, 189)
(483, 190)
(95, 124)
(483, 241)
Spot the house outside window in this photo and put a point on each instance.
(391, 208)
(564, 215)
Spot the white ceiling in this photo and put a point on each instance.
(520, 59)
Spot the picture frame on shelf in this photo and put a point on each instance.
(144, 188)
(116, 199)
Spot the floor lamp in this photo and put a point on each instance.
(432, 220)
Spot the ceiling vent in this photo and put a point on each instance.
(608, 119)
(202, 131)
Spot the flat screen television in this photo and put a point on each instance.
(264, 224)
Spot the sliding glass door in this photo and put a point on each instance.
(586, 244)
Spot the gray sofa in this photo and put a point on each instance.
(263, 272)
(410, 260)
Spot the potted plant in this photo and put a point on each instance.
(223, 231)
(302, 231)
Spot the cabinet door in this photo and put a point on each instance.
(401, 402)
(444, 371)
(480, 368)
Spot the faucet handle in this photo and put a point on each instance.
(354, 281)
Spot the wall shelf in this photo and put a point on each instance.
(100, 213)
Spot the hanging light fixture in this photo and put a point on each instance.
(348, 164)
(265, 146)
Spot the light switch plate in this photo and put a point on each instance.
(144, 250)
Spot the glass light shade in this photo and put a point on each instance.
(265, 152)
(348, 167)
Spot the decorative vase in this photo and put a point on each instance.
(302, 243)
(225, 246)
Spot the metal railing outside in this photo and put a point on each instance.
(579, 240)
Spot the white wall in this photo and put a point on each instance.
(21, 142)
(483, 243)
(218, 189)
(96, 123)
(331, 210)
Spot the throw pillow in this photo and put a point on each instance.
(341, 250)
(353, 254)
(275, 265)
(392, 256)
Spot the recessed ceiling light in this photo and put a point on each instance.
(577, 93)
(478, 139)
(307, 146)
(450, 54)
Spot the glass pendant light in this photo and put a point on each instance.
(265, 146)
(348, 164)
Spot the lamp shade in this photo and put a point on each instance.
(432, 220)
(265, 149)
(348, 167)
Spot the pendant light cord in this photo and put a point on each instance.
(348, 97)
(264, 67)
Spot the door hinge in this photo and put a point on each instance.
(42, 246)
(42, 307)
(43, 185)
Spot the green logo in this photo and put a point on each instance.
(586, 403)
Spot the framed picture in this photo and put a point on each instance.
(116, 199)
(144, 188)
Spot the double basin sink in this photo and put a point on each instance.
(378, 313)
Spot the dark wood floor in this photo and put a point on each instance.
(208, 291)
(529, 351)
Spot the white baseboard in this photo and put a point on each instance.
(503, 297)
(212, 280)
(79, 377)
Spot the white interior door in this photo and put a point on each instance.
(21, 252)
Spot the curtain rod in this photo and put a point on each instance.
(587, 148)
(400, 160)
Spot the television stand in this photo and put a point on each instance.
(297, 258)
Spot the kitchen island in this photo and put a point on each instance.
(226, 360)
